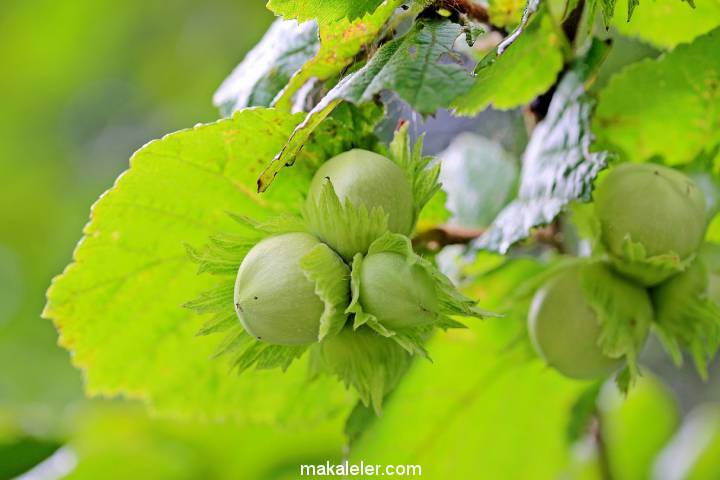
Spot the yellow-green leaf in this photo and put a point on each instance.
(118, 306)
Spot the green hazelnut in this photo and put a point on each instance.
(275, 301)
(397, 293)
(655, 206)
(565, 330)
(367, 178)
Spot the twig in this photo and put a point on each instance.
(551, 235)
(441, 236)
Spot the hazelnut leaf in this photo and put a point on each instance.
(525, 69)
(407, 65)
(666, 107)
(340, 42)
(324, 11)
(120, 302)
(558, 165)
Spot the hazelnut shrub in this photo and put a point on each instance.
(340, 281)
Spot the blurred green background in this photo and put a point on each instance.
(85, 84)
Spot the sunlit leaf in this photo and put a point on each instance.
(476, 406)
(669, 107)
(505, 13)
(340, 42)
(524, 70)
(118, 307)
(667, 23)
(120, 442)
(324, 11)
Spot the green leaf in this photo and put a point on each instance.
(667, 23)
(474, 197)
(118, 306)
(324, 11)
(323, 267)
(608, 10)
(476, 406)
(669, 107)
(336, 130)
(558, 167)
(505, 13)
(411, 66)
(526, 68)
(117, 441)
(267, 68)
(340, 43)
(408, 65)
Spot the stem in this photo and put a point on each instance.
(440, 236)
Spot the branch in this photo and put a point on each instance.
(441, 236)
(437, 238)
(466, 7)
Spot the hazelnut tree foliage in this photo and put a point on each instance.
(279, 265)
